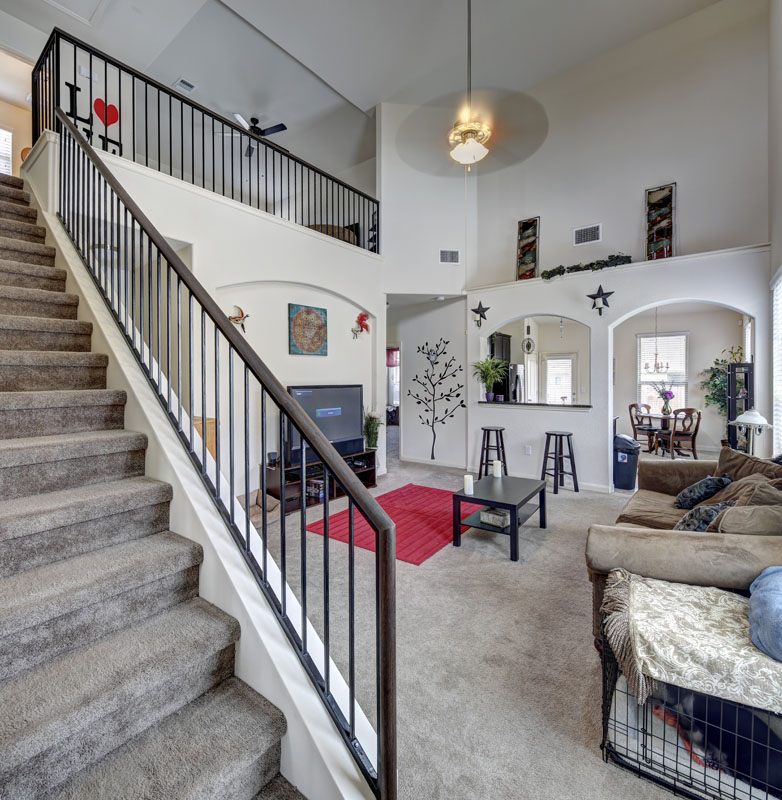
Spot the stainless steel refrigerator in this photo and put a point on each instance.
(516, 385)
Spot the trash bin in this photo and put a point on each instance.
(626, 454)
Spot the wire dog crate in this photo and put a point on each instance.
(696, 745)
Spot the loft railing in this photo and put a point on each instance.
(201, 370)
(128, 114)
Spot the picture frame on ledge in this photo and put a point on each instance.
(660, 221)
(527, 248)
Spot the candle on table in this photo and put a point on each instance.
(496, 469)
(468, 484)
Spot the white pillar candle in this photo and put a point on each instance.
(468, 484)
(496, 469)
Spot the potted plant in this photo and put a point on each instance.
(716, 382)
(490, 371)
(372, 425)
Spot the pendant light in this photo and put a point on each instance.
(467, 139)
(658, 365)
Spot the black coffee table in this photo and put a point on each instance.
(511, 493)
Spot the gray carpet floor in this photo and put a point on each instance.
(499, 685)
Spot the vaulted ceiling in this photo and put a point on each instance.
(322, 67)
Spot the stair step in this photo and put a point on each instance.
(28, 252)
(21, 302)
(68, 713)
(57, 525)
(225, 744)
(12, 181)
(60, 411)
(15, 211)
(51, 610)
(44, 333)
(280, 789)
(10, 194)
(13, 229)
(33, 370)
(32, 276)
(36, 464)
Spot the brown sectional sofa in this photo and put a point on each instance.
(643, 540)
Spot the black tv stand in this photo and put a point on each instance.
(363, 464)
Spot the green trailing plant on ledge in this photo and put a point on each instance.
(615, 260)
(372, 425)
(715, 383)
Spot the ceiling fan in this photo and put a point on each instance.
(252, 126)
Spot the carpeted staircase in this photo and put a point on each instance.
(116, 678)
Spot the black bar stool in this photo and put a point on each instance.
(559, 457)
(497, 448)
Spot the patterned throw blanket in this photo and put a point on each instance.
(694, 637)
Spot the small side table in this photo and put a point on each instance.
(505, 492)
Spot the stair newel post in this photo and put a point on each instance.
(385, 614)
(54, 76)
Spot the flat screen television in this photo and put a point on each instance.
(339, 413)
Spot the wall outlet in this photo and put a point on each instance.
(527, 449)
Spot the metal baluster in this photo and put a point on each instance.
(326, 589)
(231, 453)
(159, 329)
(189, 363)
(303, 541)
(352, 617)
(170, 137)
(141, 297)
(266, 179)
(151, 370)
(125, 238)
(264, 503)
(217, 412)
(179, 351)
(133, 280)
(203, 391)
(168, 337)
(283, 559)
(146, 124)
(247, 459)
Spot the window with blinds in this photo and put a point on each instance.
(6, 138)
(559, 380)
(777, 357)
(748, 340)
(670, 351)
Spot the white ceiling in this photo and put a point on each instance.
(323, 67)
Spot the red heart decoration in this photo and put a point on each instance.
(108, 115)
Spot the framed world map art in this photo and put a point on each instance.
(307, 331)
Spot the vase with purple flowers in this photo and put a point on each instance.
(664, 392)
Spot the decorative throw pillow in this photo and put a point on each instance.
(738, 464)
(700, 491)
(761, 495)
(700, 517)
(765, 612)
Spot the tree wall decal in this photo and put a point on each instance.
(434, 389)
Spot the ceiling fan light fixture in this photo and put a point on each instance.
(467, 140)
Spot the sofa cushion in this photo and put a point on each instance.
(738, 488)
(752, 520)
(764, 494)
(651, 510)
(737, 465)
(700, 491)
(699, 518)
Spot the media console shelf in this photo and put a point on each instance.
(363, 464)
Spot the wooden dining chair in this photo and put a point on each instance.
(642, 423)
(682, 434)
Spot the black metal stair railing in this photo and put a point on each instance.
(123, 112)
(202, 369)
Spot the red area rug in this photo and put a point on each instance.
(423, 518)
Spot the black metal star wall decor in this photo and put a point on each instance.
(480, 311)
(600, 299)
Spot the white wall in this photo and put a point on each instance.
(711, 330)
(19, 121)
(245, 256)
(420, 212)
(708, 277)
(687, 103)
(414, 326)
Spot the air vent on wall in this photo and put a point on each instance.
(183, 85)
(450, 257)
(591, 233)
